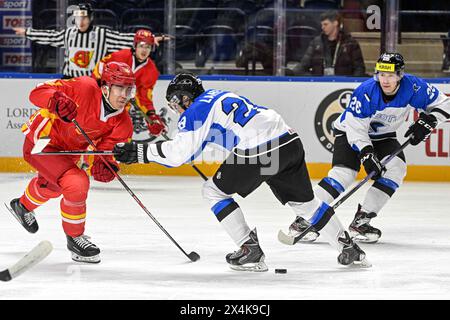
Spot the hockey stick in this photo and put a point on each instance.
(193, 256)
(41, 143)
(201, 174)
(289, 240)
(76, 153)
(36, 255)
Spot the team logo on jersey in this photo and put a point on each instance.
(82, 58)
(328, 111)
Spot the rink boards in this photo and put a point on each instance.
(308, 105)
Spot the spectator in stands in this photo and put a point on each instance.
(85, 44)
(333, 52)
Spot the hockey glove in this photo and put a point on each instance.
(101, 172)
(131, 152)
(421, 129)
(156, 125)
(63, 106)
(371, 163)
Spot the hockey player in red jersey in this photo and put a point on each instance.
(99, 109)
(138, 58)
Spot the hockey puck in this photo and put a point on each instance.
(280, 270)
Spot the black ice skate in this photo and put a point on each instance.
(361, 230)
(300, 225)
(249, 257)
(25, 217)
(351, 253)
(83, 250)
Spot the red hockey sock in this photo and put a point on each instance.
(37, 193)
(75, 186)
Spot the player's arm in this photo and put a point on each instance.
(184, 147)
(440, 107)
(436, 107)
(53, 96)
(116, 41)
(356, 120)
(48, 37)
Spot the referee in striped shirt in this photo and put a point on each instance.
(85, 44)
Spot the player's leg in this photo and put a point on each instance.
(292, 185)
(40, 189)
(74, 188)
(36, 194)
(345, 166)
(379, 193)
(236, 175)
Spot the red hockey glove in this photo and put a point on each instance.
(156, 125)
(63, 106)
(101, 172)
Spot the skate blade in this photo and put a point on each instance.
(252, 267)
(17, 218)
(369, 238)
(13, 213)
(78, 258)
(364, 263)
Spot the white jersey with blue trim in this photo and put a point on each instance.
(368, 117)
(219, 117)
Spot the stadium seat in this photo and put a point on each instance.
(297, 41)
(322, 4)
(45, 18)
(248, 6)
(151, 4)
(106, 18)
(219, 43)
(186, 42)
(152, 18)
(197, 4)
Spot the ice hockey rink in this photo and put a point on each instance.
(411, 261)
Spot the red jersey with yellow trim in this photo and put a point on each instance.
(146, 75)
(104, 130)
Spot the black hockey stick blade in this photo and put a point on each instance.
(193, 256)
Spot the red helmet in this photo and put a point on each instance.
(143, 35)
(118, 73)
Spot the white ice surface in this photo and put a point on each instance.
(411, 261)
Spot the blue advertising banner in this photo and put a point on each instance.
(15, 51)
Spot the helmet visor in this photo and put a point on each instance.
(175, 103)
(128, 92)
(80, 13)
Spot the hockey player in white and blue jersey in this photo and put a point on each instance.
(365, 133)
(263, 149)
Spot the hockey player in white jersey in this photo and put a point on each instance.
(263, 149)
(365, 133)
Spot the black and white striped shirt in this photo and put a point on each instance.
(82, 50)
